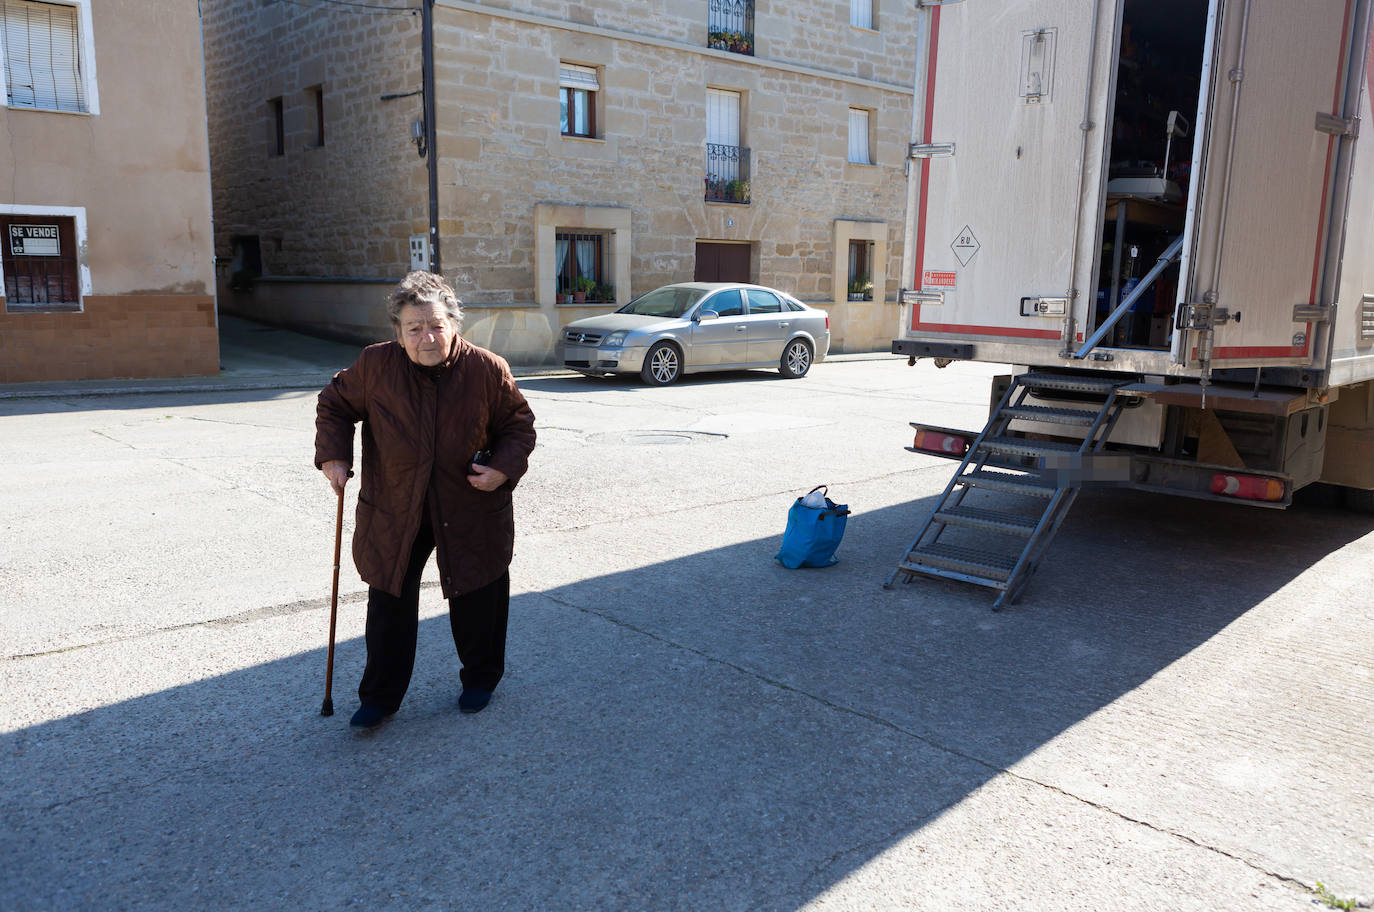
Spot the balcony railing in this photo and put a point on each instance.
(730, 26)
(727, 174)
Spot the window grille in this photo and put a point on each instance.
(730, 26)
(580, 265)
(727, 174)
(39, 262)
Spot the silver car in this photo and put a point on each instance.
(699, 326)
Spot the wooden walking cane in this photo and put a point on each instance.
(328, 708)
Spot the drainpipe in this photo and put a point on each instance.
(431, 130)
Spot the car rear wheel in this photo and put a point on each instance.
(662, 365)
(796, 359)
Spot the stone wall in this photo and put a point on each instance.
(503, 161)
(344, 208)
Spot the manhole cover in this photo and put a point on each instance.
(657, 438)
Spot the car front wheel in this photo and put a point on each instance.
(662, 365)
(796, 359)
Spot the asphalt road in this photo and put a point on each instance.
(1177, 715)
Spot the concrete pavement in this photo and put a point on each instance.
(1177, 716)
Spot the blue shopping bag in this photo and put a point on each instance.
(815, 525)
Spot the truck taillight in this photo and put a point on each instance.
(1249, 487)
(932, 442)
(827, 322)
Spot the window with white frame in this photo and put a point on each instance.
(861, 13)
(47, 57)
(859, 124)
(577, 88)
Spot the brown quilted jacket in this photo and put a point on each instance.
(420, 424)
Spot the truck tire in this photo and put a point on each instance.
(1358, 500)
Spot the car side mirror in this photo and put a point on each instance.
(705, 315)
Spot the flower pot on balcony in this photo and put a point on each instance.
(579, 297)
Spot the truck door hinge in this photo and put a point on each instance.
(1337, 126)
(912, 296)
(1201, 317)
(930, 150)
(1313, 313)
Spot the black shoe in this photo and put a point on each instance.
(368, 717)
(473, 700)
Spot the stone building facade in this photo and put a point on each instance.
(630, 143)
(107, 256)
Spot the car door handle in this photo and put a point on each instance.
(739, 329)
(784, 324)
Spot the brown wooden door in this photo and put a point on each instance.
(722, 262)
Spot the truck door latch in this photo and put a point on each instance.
(1201, 317)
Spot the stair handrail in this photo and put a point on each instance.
(1165, 259)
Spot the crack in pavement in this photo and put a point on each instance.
(930, 742)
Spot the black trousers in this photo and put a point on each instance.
(478, 621)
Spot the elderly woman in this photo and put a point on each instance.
(446, 436)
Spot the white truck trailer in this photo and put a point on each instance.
(1155, 210)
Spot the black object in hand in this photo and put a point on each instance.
(481, 458)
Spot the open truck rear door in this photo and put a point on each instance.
(1008, 170)
(1263, 254)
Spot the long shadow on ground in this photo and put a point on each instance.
(713, 732)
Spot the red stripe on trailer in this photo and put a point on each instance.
(991, 330)
(928, 131)
(927, 128)
(1233, 352)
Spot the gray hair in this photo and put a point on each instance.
(423, 288)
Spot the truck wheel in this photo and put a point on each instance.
(1359, 500)
(662, 365)
(796, 359)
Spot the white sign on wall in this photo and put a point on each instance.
(34, 240)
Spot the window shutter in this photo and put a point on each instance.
(722, 117)
(861, 13)
(572, 76)
(42, 61)
(858, 136)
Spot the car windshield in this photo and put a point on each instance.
(664, 302)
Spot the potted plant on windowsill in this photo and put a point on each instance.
(737, 191)
(582, 285)
(861, 288)
(563, 297)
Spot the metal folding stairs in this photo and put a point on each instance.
(1040, 474)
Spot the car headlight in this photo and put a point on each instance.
(615, 339)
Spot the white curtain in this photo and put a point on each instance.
(586, 259)
(858, 136)
(561, 267)
(861, 13)
(42, 63)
